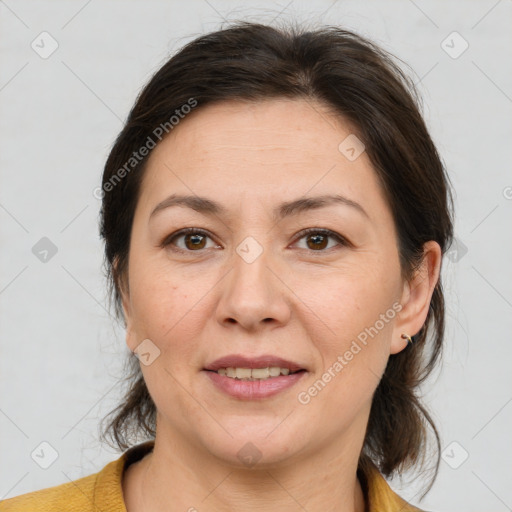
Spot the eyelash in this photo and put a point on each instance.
(320, 231)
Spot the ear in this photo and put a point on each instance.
(416, 296)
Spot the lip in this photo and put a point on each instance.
(263, 361)
(252, 390)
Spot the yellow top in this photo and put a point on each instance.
(103, 491)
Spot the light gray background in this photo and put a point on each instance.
(61, 353)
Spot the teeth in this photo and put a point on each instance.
(243, 373)
(253, 374)
(259, 373)
(275, 371)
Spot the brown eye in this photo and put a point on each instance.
(318, 239)
(196, 241)
(193, 240)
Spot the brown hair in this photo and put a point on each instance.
(360, 82)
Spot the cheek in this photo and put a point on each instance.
(356, 319)
(169, 309)
(355, 352)
(348, 302)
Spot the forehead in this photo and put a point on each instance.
(276, 148)
(272, 124)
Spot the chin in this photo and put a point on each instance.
(260, 448)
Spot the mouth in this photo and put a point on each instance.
(253, 388)
(265, 366)
(255, 374)
(253, 378)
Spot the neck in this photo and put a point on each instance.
(177, 476)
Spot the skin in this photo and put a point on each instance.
(297, 301)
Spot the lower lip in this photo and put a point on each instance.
(254, 389)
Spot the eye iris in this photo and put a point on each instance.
(317, 238)
(198, 240)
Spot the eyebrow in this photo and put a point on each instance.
(209, 207)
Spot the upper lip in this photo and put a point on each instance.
(263, 361)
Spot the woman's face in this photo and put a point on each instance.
(247, 281)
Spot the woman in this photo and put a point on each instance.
(274, 215)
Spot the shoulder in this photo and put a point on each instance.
(71, 496)
(81, 495)
(100, 491)
(380, 496)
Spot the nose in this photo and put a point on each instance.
(254, 294)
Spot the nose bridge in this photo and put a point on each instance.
(253, 293)
(252, 262)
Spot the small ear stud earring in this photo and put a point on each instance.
(408, 338)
